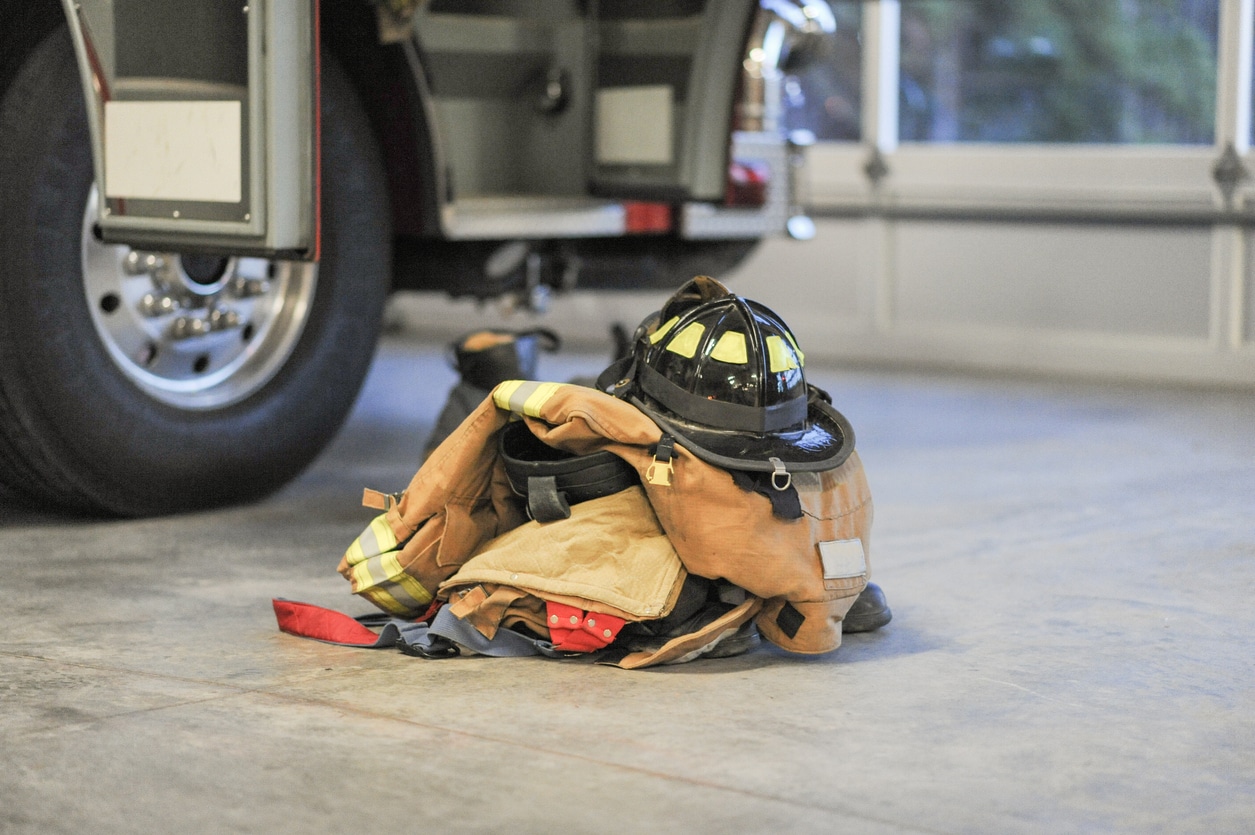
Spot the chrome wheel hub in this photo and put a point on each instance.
(194, 331)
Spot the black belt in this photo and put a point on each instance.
(552, 480)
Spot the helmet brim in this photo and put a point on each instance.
(824, 443)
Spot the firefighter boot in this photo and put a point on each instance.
(869, 612)
(483, 359)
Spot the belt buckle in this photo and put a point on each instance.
(659, 473)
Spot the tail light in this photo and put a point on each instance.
(747, 183)
(644, 218)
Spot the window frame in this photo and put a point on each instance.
(1177, 183)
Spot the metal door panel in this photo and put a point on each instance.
(666, 85)
(203, 121)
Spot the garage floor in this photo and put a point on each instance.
(1071, 568)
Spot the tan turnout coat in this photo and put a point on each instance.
(803, 574)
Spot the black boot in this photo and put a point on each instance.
(483, 359)
(869, 612)
(486, 358)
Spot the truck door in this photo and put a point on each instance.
(203, 122)
(666, 80)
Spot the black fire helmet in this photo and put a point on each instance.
(724, 376)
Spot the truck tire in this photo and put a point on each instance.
(110, 404)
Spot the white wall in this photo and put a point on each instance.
(1106, 300)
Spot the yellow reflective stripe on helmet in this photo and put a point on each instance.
(801, 357)
(731, 348)
(780, 354)
(523, 397)
(686, 341)
(662, 330)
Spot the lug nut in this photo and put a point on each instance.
(164, 274)
(133, 263)
(248, 287)
(154, 305)
(186, 327)
(223, 318)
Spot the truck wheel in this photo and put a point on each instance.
(144, 382)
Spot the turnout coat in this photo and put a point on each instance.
(801, 575)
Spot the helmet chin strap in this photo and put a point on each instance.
(618, 377)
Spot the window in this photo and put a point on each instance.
(1066, 71)
(823, 79)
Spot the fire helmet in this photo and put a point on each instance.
(724, 376)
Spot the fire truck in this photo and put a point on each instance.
(204, 204)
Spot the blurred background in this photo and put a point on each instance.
(1042, 185)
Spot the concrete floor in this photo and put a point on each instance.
(1071, 568)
